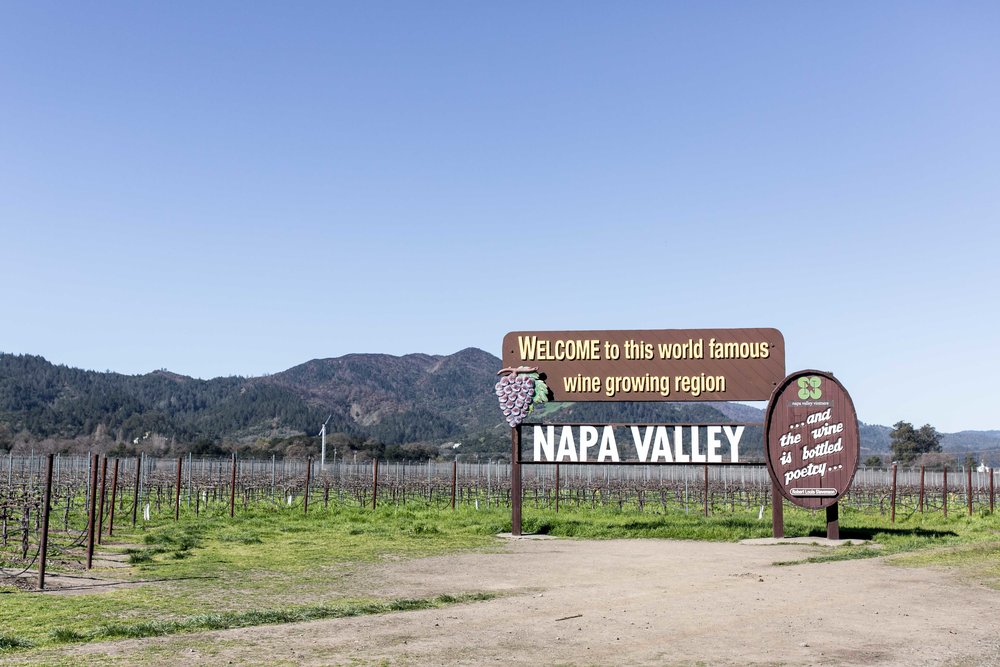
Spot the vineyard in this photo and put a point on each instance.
(91, 497)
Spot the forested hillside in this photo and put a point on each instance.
(372, 402)
(377, 404)
(44, 401)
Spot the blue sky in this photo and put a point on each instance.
(233, 189)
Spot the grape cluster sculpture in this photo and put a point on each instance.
(518, 390)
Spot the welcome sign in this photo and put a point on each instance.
(652, 365)
(666, 365)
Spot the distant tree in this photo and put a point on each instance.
(873, 461)
(929, 438)
(908, 444)
(206, 447)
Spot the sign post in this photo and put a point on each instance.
(515, 481)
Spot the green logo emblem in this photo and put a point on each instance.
(809, 388)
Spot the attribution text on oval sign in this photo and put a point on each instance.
(811, 432)
(652, 365)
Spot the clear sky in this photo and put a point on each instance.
(235, 188)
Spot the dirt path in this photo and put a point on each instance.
(627, 602)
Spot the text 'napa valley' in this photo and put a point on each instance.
(699, 443)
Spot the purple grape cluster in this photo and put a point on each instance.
(515, 393)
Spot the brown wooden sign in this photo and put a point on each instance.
(811, 432)
(652, 365)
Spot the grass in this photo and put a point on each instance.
(276, 565)
(8, 642)
(263, 566)
(915, 532)
(227, 620)
(977, 562)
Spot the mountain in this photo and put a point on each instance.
(42, 401)
(388, 405)
(415, 398)
(400, 399)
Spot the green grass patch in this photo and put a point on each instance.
(213, 568)
(979, 562)
(64, 635)
(912, 533)
(9, 642)
(227, 620)
(140, 556)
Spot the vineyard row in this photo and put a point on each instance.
(89, 496)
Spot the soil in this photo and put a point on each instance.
(74, 579)
(626, 602)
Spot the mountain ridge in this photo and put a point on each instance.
(371, 399)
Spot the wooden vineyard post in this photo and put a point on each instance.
(232, 490)
(305, 497)
(991, 490)
(706, 489)
(968, 486)
(43, 547)
(892, 502)
(374, 482)
(515, 481)
(944, 493)
(100, 507)
(557, 487)
(91, 511)
(135, 494)
(454, 481)
(114, 496)
(177, 492)
(920, 500)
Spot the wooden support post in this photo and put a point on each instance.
(374, 482)
(515, 481)
(454, 480)
(305, 497)
(920, 500)
(114, 496)
(177, 491)
(91, 511)
(991, 490)
(557, 487)
(833, 522)
(944, 494)
(968, 486)
(232, 490)
(706, 489)
(43, 547)
(135, 495)
(100, 507)
(892, 512)
(777, 512)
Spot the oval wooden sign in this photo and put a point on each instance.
(812, 441)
